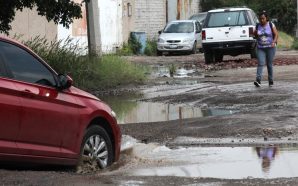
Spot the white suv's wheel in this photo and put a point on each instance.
(209, 57)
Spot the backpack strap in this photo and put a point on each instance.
(257, 26)
(271, 26)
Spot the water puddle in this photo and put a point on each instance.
(217, 162)
(175, 71)
(130, 111)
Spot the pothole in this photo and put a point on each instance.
(266, 161)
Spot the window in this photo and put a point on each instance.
(221, 19)
(25, 67)
(180, 27)
(198, 27)
(2, 68)
(129, 10)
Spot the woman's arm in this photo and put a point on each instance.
(275, 35)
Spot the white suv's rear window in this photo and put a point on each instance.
(223, 19)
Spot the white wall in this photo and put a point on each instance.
(77, 30)
(110, 27)
(110, 24)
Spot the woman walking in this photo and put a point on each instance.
(267, 35)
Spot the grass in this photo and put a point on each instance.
(151, 47)
(89, 73)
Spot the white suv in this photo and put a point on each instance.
(228, 31)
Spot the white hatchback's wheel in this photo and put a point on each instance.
(194, 48)
(96, 149)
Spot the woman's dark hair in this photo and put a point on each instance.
(264, 13)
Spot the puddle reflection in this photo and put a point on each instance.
(140, 112)
(225, 162)
(179, 71)
(267, 155)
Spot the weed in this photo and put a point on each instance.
(172, 70)
(93, 72)
(151, 47)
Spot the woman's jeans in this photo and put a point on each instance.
(265, 56)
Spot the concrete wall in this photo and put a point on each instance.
(29, 24)
(150, 16)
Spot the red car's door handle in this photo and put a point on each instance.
(27, 93)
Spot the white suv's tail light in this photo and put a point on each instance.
(203, 35)
(251, 32)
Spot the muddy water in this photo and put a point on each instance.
(131, 111)
(177, 71)
(216, 162)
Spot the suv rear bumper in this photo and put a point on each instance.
(231, 47)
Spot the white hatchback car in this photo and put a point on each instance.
(180, 36)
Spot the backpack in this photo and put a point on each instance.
(271, 26)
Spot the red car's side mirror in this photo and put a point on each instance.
(65, 81)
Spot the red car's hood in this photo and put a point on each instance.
(82, 93)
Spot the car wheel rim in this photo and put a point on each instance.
(95, 150)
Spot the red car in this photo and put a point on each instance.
(44, 119)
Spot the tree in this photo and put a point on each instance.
(284, 11)
(60, 11)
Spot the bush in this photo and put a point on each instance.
(295, 44)
(132, 47)
(125, 50)
(134, 44)
(88, 72)
(151, 47)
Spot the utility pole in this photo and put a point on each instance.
(297, 21)
(93, 27)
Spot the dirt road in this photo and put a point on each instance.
(259, 116)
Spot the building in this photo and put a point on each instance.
(28, 24)
(117, 19)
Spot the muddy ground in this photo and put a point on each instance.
(266, 115)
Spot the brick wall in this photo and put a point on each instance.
(150, 16)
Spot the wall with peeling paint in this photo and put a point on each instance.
(182, 9)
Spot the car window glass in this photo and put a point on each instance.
(221, 19)
(198, 27)
(242, 20)
(25, 67)
(255, 18)
(2, 67)
(180, 27)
